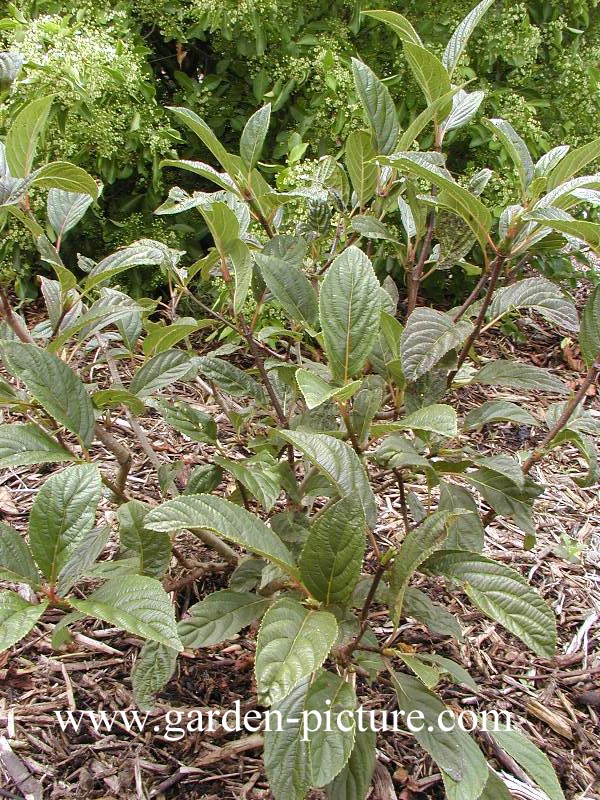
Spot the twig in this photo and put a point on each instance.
(414, 280)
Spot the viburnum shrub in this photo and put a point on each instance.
(355, 392)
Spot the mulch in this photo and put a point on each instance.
(556, 703)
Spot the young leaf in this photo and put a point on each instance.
(360, 163)
(398, 23)
(287, 751)
(573, 162)
(535, 763)
(23, 135)
(254, 135)
(419, 606)
(549, 160)
(82, 558)
(154, 549)
(397, 452)
(503, 595)
(160, 371)
(465, 531)
(354, 780)
(427, 337)
(558, 220)
(498, 411)
(221, 179)
(349, 309)
(231, 379)
(340, 465)
(589, 338)
(518, 375)
(24, 443)
(332, 556)
(437, 418)
(292, 643)
(137, 604)
(16, 563)
(208, 138)
(224, 518)
(317, 391)
(464, 108)
(153, 669)
(54, 385)
(459, 39)
(261, 478)
(62, 514)
(516, 148)
(291, 287)
(195, 424)
(379, 107)
(433, 111)
(505, 497)
(65, 209)
(219, 617)
(17, 618)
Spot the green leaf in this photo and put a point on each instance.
(558, 220)
(164, 337)
(433, 111)
(453, 751)
(17, 618)
(349, 309)
(141, 253)
(221, 179)
(546, 163)
(204, 479)
(254, 135)
(459, 39)
(154, 667)
(518, 375)
(464, 108)
(495, 788)
(137, 604)
(287, 751)
(224, 518)
(10, 66)
(23, 135)
(160, 371)
(261, 478)
(398, 23)
(208, 138)
(340, 465)
(573, 162)
(542, 296)
(418, 606)
(241, 261)
(528, 756)
(195, 424)
(65, 209)
(379, 107)
(505, 497)
(219, 617)
(154, 549)
(82, 558)
(371, 227)
(62, 514)
(290, 287)
(354, 780)
(115, 398)
(465, 531)
(417, 546)
(429, 72)
(292, 643)
(589, 338)
(449, 667)
(427, 337)
(503, 595)
(456, 197)
(429, 676)
(65, 176)
(231, 379)
(498, 411)
(516, 148)
(16, 563)
(397, 452)
(317, 391)
(54, 385)
(24, 443)
(332, 556)
(330, 745)
(360, 155)
(437, 418)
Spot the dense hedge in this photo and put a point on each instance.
(115, 66)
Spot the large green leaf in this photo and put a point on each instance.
(430, 74)
(518, 375)
(153, 669)
(360, 163)
(330, 745)
(25, 443)
(219, 617)
(465, 531)
(354, 780)
(231, 379)
(505, 497)
(589, 338)
(332, 555)
(292, 643)
(291, 287)
(516, 148)
(82, 558)
(398, 23)
(437, 418)
(54, 385)
(427, 337)
(221, 179)
(503, 595)
(141, 253)
(340, 465)
(197, 425)
(153, 548)
(65, 209)
(17, 618)
(62, 514)
(16, 563)
(574, 162)
(160, 371)
(379, 107)
(558, 220)
(462, 34)
(287, 750)
(65, 176)
(260, 475)
(433, 111)
(419, 606)
(137, 604)
(317, 391)
(205, 512)
(417, 546)
(208, 138)
(498, 411)
(23, 136)
(528, 756)
(254, 135)
(349, 309)
(542, 296)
